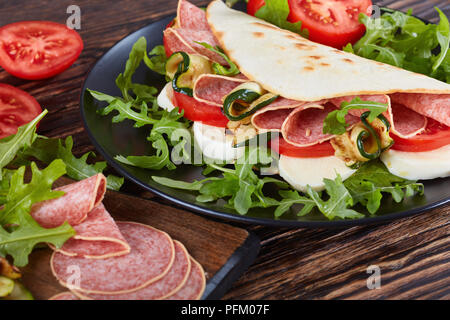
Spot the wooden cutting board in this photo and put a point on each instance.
(224, 251)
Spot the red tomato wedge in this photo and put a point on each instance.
(38, 49)
(435, 136)
(331, 22)
(16, 109)
(200, 111)
(320, 150)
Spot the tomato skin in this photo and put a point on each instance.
(436, 136)
(254, 5)
(36, 50)
(199, 111)
(16, 109)
(324, 149)
(335, 33)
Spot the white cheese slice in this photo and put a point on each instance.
(214, 142)
(418, 165)
(300, 172)
(164, 100)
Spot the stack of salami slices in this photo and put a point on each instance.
(108, 260)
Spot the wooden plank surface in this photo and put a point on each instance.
(211, 243)
(413, 253)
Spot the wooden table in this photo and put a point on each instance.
(412, 254)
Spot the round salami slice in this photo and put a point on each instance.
(273, 116)
(79, 199)
(304, 126)
(151, 257)
(164, 287)
(97, 237)
(405, 122)
(195, 285)
(190, 16)
(434, 106)
(64, 296)
(212, 89)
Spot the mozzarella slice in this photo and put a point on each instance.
(214, 143)
(418, 165)
(164, 98)
(300, 172)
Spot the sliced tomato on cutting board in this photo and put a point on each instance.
(199, 111)
(320, 150)
(435, 136)
(38, 49)
(16, 109)
(331, 22)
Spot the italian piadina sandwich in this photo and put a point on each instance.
(333, 110)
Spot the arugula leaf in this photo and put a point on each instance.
(276, 12)
(291, 197)
(20, 243)
(217, 67)
(11, 145)
(21, 196)
(339, 200)
(404, 41)
(158, 60)
(48, 150)
(371, 180)
(241, 185)
(335, 122)
(443, 37)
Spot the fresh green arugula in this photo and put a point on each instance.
(134, 105)
(19, 232)
(48, 150)
(335, 122)
(231, 71)
(241, 185)
(372, 179)
(406, 42)
(276, 12)
(25, 136)
(157, 60)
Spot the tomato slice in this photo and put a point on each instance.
(254, 5)
(16, 109)
(324, 149)
(331, 22)
(38, 49)
(199, 111)
(435, 136)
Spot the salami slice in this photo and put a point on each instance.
(79, 199)
(164, 287)
(190, 16)
(195, 285)
(405, 122)
(304, 126)
(151, 257)
(273, 116)
(64, 296)
(191, 37)
(434, 106)
(97, 237)
(176, 43)
(212, 89)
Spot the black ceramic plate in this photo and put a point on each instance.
(114, 139)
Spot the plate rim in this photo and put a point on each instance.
(271, 222)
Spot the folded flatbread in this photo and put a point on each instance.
(311, 79)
